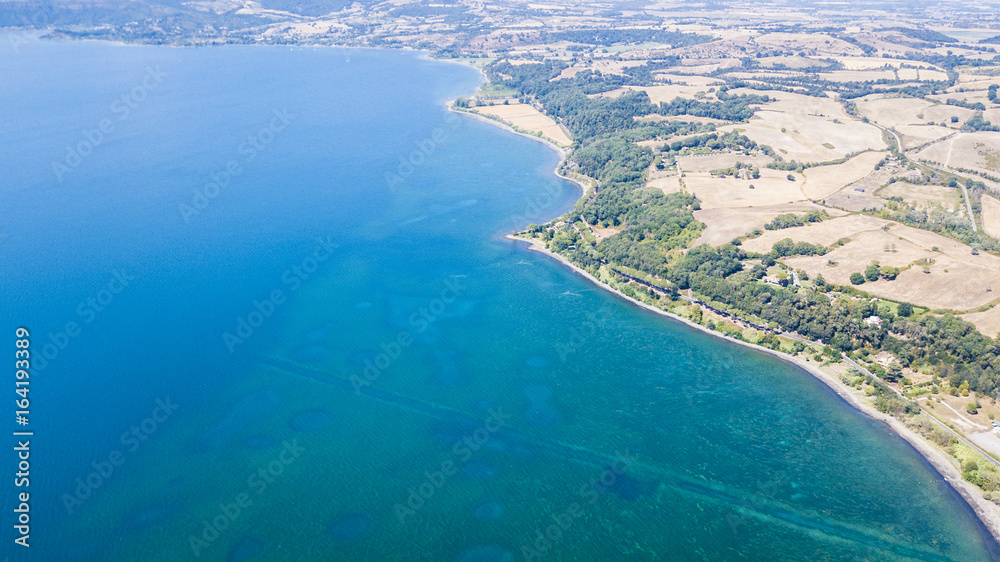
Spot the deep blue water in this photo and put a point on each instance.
(418, 388)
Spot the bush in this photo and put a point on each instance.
(972, 408)
(857, 278)
(790, 177)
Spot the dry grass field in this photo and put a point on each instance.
(709, 162)
(528, 118)
(823, 181)
(811, 127)
(987, 322)
(891, 112)
(857, 75)
(809, 138)
(991, 216)
(949, 198)
(914, 136)
(895, 112)
(722, 225)
(922, 74)
(944, 113)
(967, 150)
(957, 279)
(821, 43)
(866, 63)
(771, 188)
(666, 181)
(684, 79)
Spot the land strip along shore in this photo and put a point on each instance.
(985, 510)
(943, 463)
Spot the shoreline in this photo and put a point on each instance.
(986, 511)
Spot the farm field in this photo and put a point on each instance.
(722, 224)
(991, 215)
(979, 151)
(823, 181)
(771, 188)
(957, 280)
(528, 118)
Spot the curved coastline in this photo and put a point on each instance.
(986, 511)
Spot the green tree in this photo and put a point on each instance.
(905, 309)
(871, 272)
(857, 278)
(888, 272)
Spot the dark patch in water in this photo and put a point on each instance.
(310, 420)
(246, 549)
(260, 442)
(486, 553)
(625, 486)
(489, 509)
(351, 527)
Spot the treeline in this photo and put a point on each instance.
(786, 247)
(946, 345)
(730, 108)
(609, 36)
(977, 123)
(789, 220)
(714, 141)
(977, 106)
(922, 34)
(752, 172)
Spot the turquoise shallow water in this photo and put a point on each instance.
(363, 368)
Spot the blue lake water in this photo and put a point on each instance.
(277, 320)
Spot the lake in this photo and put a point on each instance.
(274, 317)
